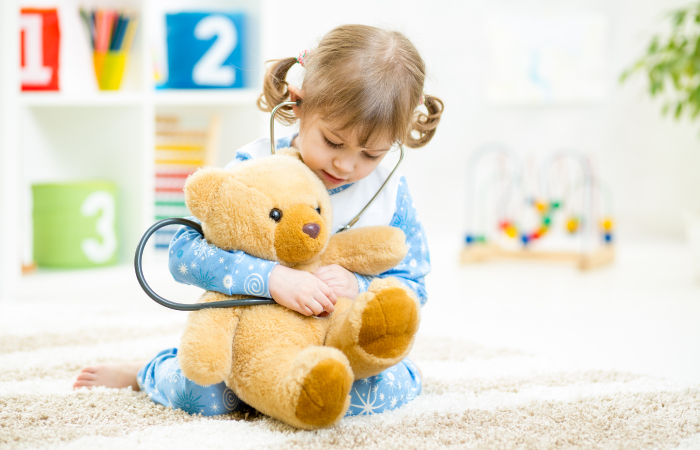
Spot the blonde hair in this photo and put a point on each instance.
(368, 80)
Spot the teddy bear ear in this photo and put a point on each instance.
(201, 188)
(289, 151)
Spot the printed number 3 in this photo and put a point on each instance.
(95, 203)
(209, 70)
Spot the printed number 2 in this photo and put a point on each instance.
(209, 70)
(95, 203)
(34, 72)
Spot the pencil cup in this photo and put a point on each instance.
(74, 224)
(109, 68)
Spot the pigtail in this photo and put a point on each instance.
(425, 124)
(275, 90)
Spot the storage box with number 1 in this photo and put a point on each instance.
(205, 50)
(74, 224)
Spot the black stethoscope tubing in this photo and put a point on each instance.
(183, 306)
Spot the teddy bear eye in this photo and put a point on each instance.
(276, 214)
(318, 210)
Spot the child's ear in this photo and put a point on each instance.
(295, 94)
(201, 189)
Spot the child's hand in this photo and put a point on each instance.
(340, 280)
(301, 291)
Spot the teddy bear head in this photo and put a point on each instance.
(274, 208)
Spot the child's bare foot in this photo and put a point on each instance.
(110, 375)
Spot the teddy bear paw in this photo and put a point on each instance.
(389, 322)
(382, 283)
(324, 393)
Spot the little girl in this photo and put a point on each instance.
(362, 93)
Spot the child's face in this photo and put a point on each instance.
(335, 156)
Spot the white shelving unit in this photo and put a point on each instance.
(83, 133)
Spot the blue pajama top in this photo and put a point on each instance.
(192, 260)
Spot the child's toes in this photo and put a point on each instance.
(83, 383)
(86, 376)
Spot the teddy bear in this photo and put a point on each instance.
(294, 368)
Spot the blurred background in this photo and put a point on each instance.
(527, 78)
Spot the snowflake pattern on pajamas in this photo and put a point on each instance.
(236, 272)
(389, 390)
(165, 384)
(220, 270)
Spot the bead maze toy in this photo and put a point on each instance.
(558, 210)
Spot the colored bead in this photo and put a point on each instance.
(606, 224)
(608, 237)
(572, 225)
(503, 224)
(481, 239)
(555, 205)
(524, 238)
(541, 207)
(468, 239)
(546, 221)
(511, 231)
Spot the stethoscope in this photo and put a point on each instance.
(198, 228)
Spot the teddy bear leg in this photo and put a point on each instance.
(311, 392)
(378, 329)
(206, 344)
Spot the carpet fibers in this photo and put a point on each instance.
(473, 396)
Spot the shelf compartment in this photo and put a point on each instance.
(219, 97)
(59, 99)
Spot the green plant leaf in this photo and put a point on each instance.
(679, 110)
(653, 46)
(679, 17)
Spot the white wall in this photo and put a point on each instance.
(10, 269)
(652, 164)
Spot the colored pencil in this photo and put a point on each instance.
(130, 32)
(88, 26)
(109, 30)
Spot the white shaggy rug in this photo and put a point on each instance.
(473, 396)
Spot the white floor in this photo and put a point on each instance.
(641, 314)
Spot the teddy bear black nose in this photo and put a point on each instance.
(312, 229)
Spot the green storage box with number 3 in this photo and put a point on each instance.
(74, 224)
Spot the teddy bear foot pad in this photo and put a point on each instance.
(324, 393)
(389, 322)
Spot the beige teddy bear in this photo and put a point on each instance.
(295, 368)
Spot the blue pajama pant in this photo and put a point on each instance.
(165, 384)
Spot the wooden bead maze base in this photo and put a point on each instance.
(477, 253)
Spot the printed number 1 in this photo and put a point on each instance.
(34, 72)
(209, 70)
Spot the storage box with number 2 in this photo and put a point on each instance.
(205, 50)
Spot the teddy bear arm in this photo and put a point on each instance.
(206, 347)
(366, 250)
